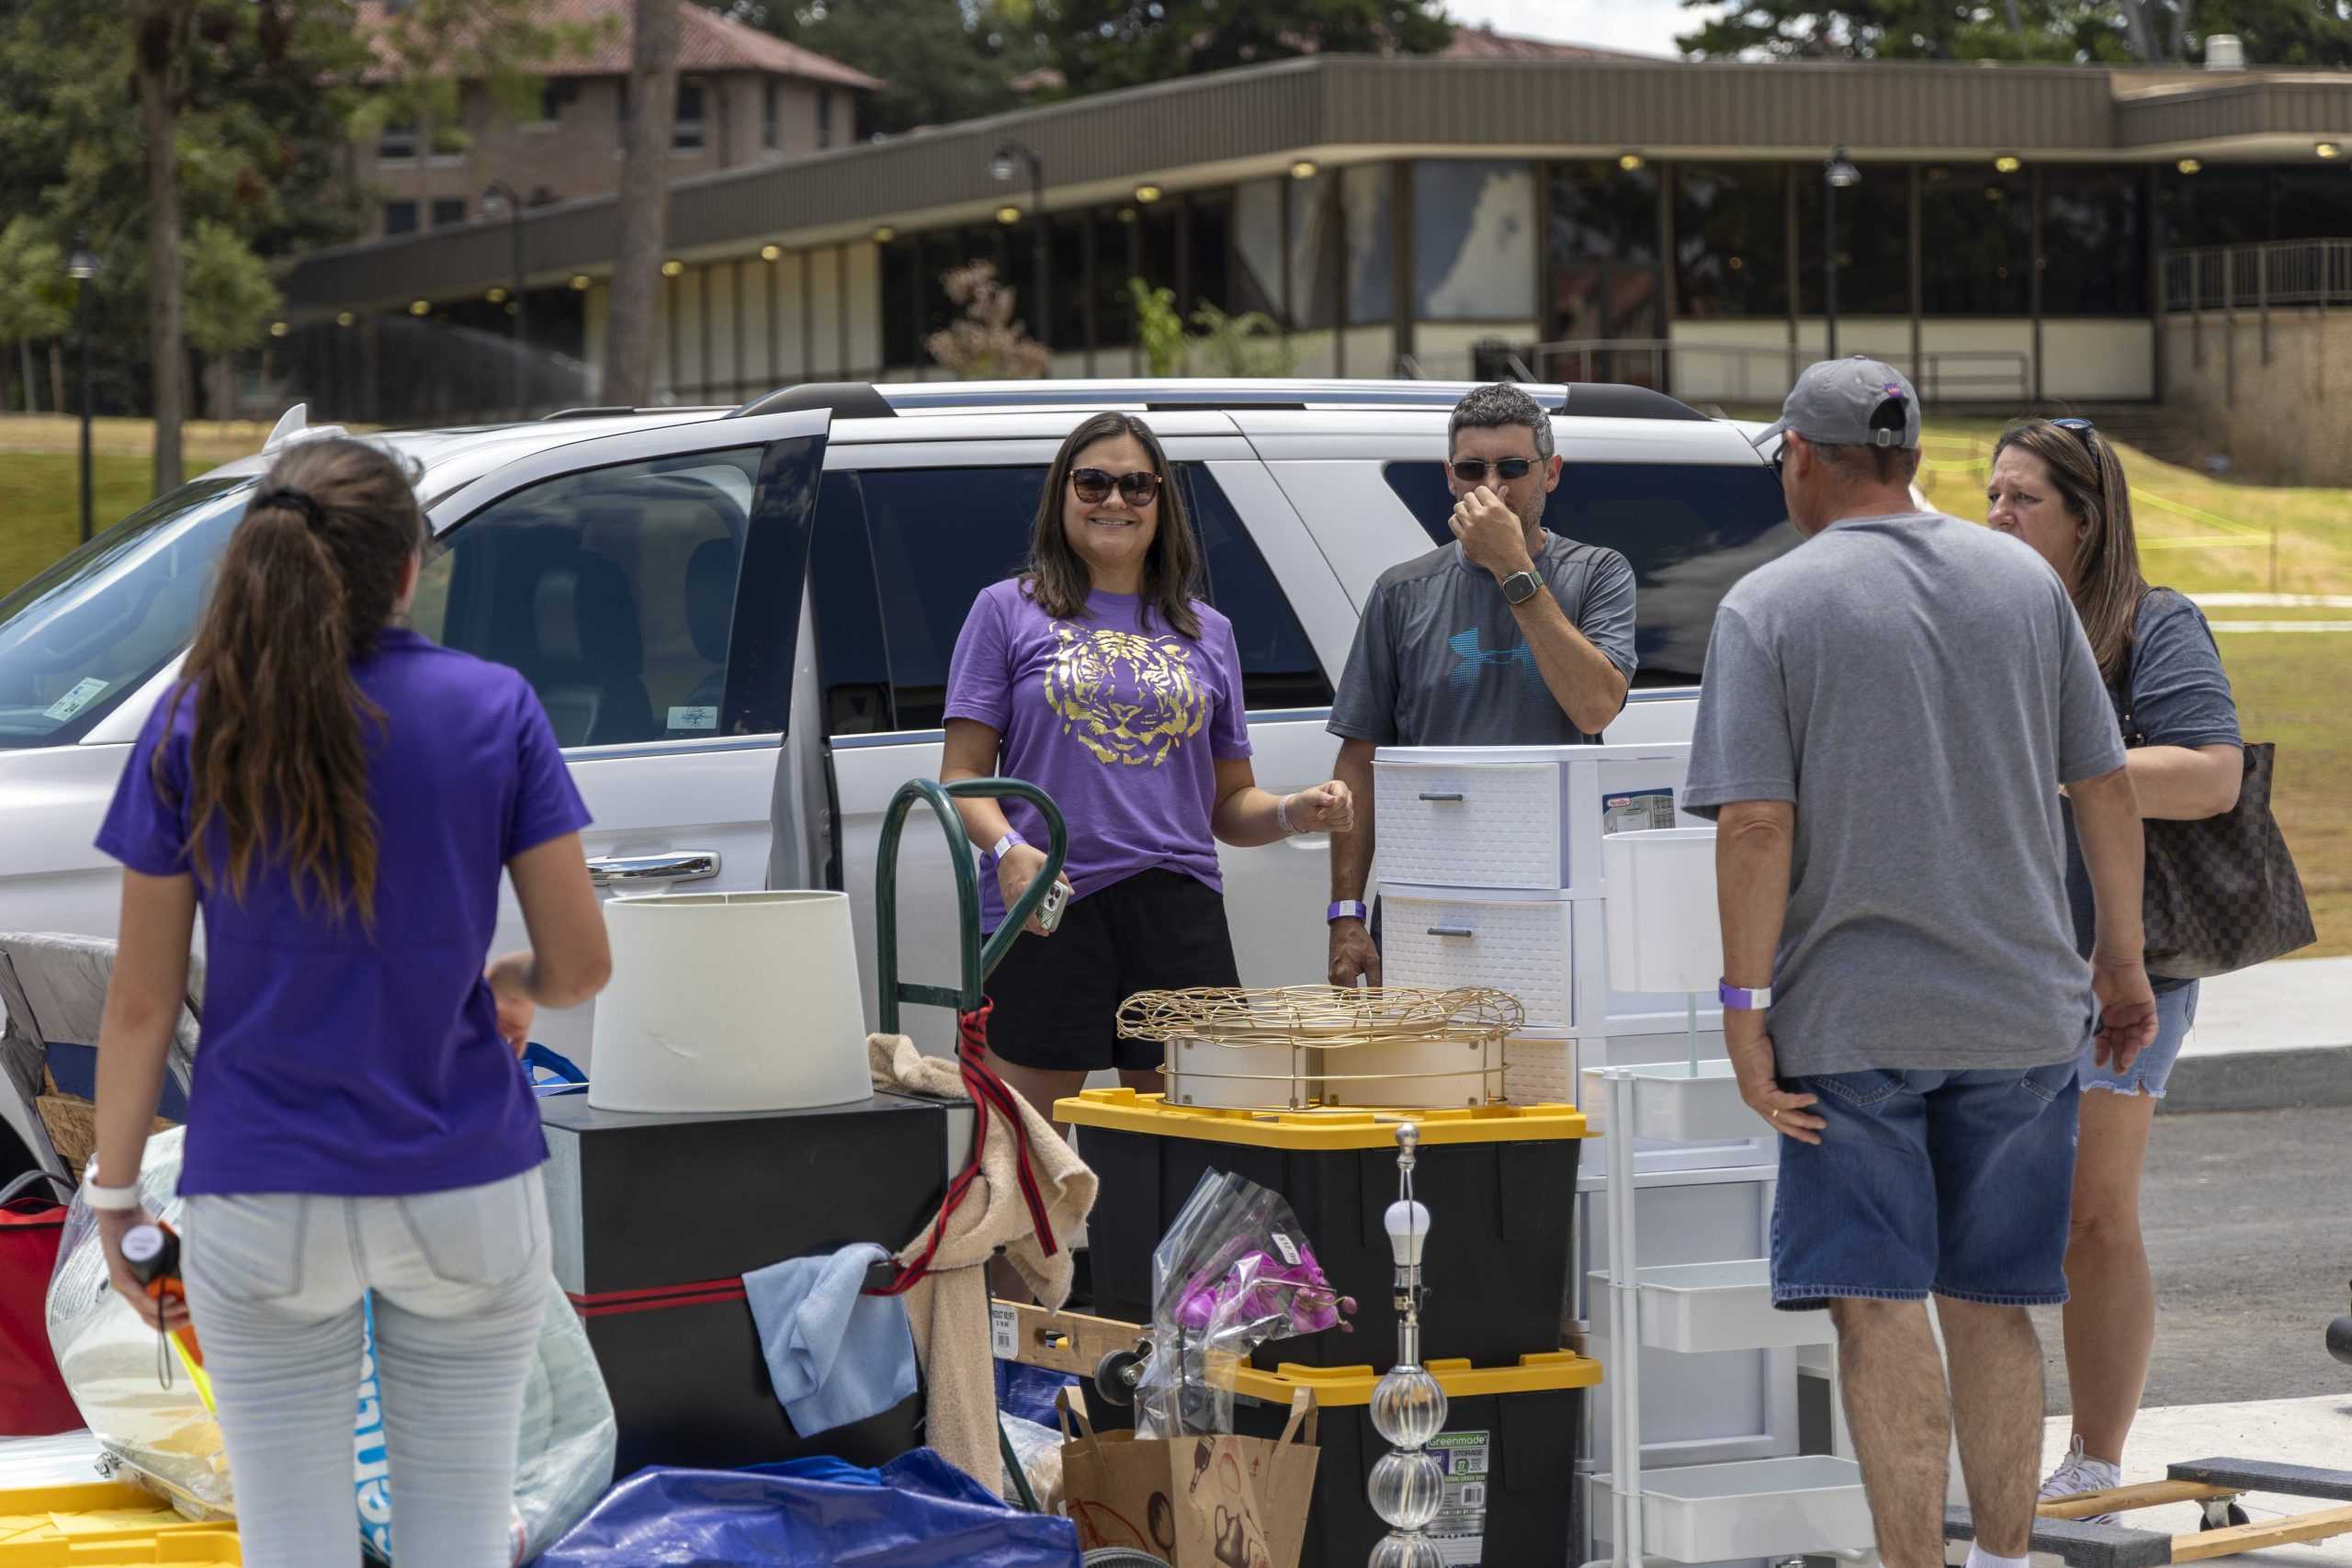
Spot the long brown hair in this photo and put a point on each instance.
(2108, 585)
(1057, 579)
(278, 761)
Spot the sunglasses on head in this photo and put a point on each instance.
(1472, 470)
(2082, 427)
(1094, 485)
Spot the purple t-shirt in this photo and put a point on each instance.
(1123, 723)
(334, 1060)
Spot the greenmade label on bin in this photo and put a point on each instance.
(1459, 1532)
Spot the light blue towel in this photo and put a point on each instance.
(836, 1357)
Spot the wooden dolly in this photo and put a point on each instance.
(2216, 1484)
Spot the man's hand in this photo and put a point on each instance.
(2127, 1012)
(509, 979)
(1491, 534)
(1754, 1062)
(1353, 957)
(1329, 808)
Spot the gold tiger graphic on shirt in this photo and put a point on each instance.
(1093, 671)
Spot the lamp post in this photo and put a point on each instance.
(1836, 176)
(498, 200)
(1007, 164)
(82, 266)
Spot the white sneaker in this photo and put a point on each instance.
(2082, 1473)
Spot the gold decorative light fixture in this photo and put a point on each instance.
(2327, 149)
(884, 234)
(2188, 165)
(1008, 214)
(1126, 215)
(2008, 162)
(1303, 170)
(420, 306)
(771, 253)
(278, 329)
(1148, 194)
(1629, 161)
(673, 268)
(498, 296)
(343, 318)
(580, 282)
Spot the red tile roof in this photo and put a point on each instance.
(707, 42)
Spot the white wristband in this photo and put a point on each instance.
(1005, 845)
(1282, 816)
(110, 1199)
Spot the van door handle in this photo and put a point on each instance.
(627, 871)
(1444, 796)
(1452, 931)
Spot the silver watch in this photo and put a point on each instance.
(1522, 586)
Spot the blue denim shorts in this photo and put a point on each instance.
(2151, 1069)
(1947, 1183)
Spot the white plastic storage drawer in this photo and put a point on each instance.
(1445, 939)
(1767, 1508)
(1472, 824)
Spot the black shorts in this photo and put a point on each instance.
(1057, 998)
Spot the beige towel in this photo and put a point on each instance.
(949, 1307)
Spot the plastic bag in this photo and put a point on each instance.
(1233, 1271)
(918, 1511)
(1038, 1450)
(109, 1360)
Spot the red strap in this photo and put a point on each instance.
(989, 1094)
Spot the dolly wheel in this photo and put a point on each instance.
(1117, 1378)
(2218, 1517)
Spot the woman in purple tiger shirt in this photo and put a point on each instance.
(1096, 675)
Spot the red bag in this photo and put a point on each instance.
(33, 1401)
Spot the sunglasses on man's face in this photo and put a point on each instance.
(1094, 485)
(1472, 470)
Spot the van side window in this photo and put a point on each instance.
(1690, 531)
(891, 597)
(612, 591)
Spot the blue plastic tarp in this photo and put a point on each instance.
(918, 1511)
(1030, 1392)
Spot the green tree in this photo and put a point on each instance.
(34, 294)
(231, 299)
(2279, 32)
(1246, 344)
(1098, 45)
(942, 61)
(1159, 331)
(2276, 32)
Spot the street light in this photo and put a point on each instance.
(1836, 175)
(499, 200)
(1003, 168)
(82, 266)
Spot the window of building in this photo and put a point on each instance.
(399, 218)
(1158, 240)
(554, 93)
(1601, 266)
(446, 141)
(1367, 200)
(690, 132)
(1474, 240)
(824, 117)
(448, 210)
(625, 110)
(1976, 241)
(1873, 241)
(2094, 244)
(1258, 248)
(771, 116)
(397, 142)
(1115, 263)
(1066, 253)
(1690, 531)
(2220, 205)
(2312, 203)
(1317, 251)
(1731, 240)
(902, 324)
(612, 591)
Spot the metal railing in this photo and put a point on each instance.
(1749, 373)
(2285, 272)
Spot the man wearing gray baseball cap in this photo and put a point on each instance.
(1880, 710)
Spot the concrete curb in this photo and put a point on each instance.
(2259, 1080)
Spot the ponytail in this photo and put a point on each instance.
(278, 766)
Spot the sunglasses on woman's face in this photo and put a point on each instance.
(1472, 470)
(1094, 485)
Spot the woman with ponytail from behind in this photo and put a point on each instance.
(338, 797)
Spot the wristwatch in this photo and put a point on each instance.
(1347, 910)
(1740, 999)
(1522, 586)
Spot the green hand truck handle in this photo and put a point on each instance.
(978, 963)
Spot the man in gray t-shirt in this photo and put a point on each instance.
(1510, 636)
(1887, 716)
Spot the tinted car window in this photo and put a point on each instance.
(612, 591)
(1688, 530)
(890, 602)
(97, 626)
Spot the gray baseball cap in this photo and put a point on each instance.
(1834, 400)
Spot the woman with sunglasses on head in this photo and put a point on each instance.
(2058, 486)
(1096, 675)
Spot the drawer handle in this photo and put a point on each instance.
(1450, 796)
(1452, 931)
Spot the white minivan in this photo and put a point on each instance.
(740, 620)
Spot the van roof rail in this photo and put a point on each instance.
(847, 400)
(868, 399)
(605, 411)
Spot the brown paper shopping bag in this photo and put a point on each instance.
(1205, 1502)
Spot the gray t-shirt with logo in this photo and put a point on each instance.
(1439, 660)
(1919, 687)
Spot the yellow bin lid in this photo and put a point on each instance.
(1337, 1387)
(105, 1523)
(1125, 1110)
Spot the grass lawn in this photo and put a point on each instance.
(40, 505)
(2295, 689)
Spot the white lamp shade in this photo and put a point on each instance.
(1664, 934)
(730, 1002)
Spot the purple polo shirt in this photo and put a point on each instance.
(337, 1060)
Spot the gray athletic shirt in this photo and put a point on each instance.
(1439, 660)
(1920, 687)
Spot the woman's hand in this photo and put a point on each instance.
(113, 1225)
(1329, 808)
(1014, 872)
(510, 983)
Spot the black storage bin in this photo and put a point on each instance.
(654, 1265)
(1499, 1183)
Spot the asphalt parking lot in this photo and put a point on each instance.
(2245, 1218)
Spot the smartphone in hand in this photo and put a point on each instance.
(1049, 913)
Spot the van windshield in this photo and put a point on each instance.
(96, 626)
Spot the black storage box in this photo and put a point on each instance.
(657, 1217)
(1499, 1183)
